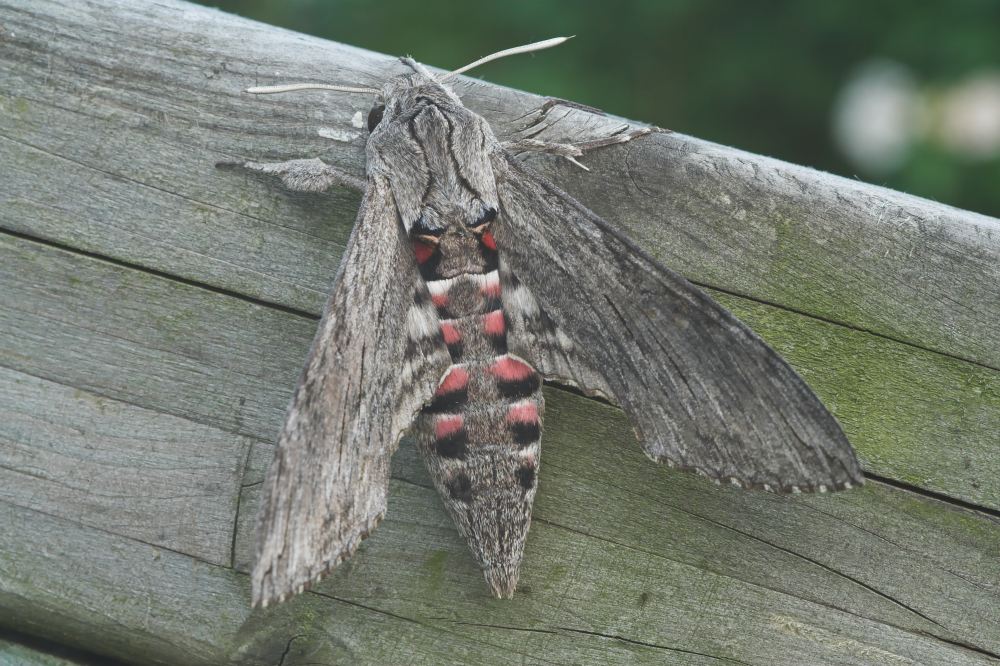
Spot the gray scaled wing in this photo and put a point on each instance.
(362, 385)
(703, 392)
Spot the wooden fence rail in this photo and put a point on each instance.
(155, 312)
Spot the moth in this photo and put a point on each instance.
(467, 281)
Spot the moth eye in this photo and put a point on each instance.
(375, 116)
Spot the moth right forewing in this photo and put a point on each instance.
(362, 385)
(702, 390)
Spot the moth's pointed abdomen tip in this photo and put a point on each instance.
(502, 580)
(502, 592)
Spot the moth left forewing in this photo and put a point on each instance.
(702, 390)
(376, 359)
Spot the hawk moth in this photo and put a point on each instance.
(467, 281)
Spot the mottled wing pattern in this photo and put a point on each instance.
(373, 364)
(703, 392)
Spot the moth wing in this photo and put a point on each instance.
(360, 389)
(703, 392)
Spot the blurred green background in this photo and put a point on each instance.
(903, 94)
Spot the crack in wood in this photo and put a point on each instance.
(657, 646)
(161, 274)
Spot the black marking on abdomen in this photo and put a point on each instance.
(453, 446)
(460, 487)
(498, 343)
(456, 349)
(491, 303)
(519, 388)
(448, 402)
(526, 476)
(429, 268)
(525, 433)
(491, 258)
(495, 327)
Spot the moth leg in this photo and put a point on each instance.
(551, 103)
(303, 175)
(573, 150)
(620, 136)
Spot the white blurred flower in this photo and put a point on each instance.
(970, 116)
(877, 116)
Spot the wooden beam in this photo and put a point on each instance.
(154, 314)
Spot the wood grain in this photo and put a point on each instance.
(155, 313)
(702, 588)
(154, 477)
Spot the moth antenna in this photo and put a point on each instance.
(416, 66)
(527, 48)
(293, 87)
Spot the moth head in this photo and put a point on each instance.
(402, 92)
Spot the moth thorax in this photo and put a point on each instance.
(460, 252)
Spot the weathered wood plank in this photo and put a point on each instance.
(128, 470)
(414, 594)
(913, 415)
(150, 341)
(136, 128)
(143, 604)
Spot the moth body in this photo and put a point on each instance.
(480, 435)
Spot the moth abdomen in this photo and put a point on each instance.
(452, 393)
(526, 476)
(450, 437)
(480, 434)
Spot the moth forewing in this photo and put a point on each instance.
(704, 392)
(360, 389)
